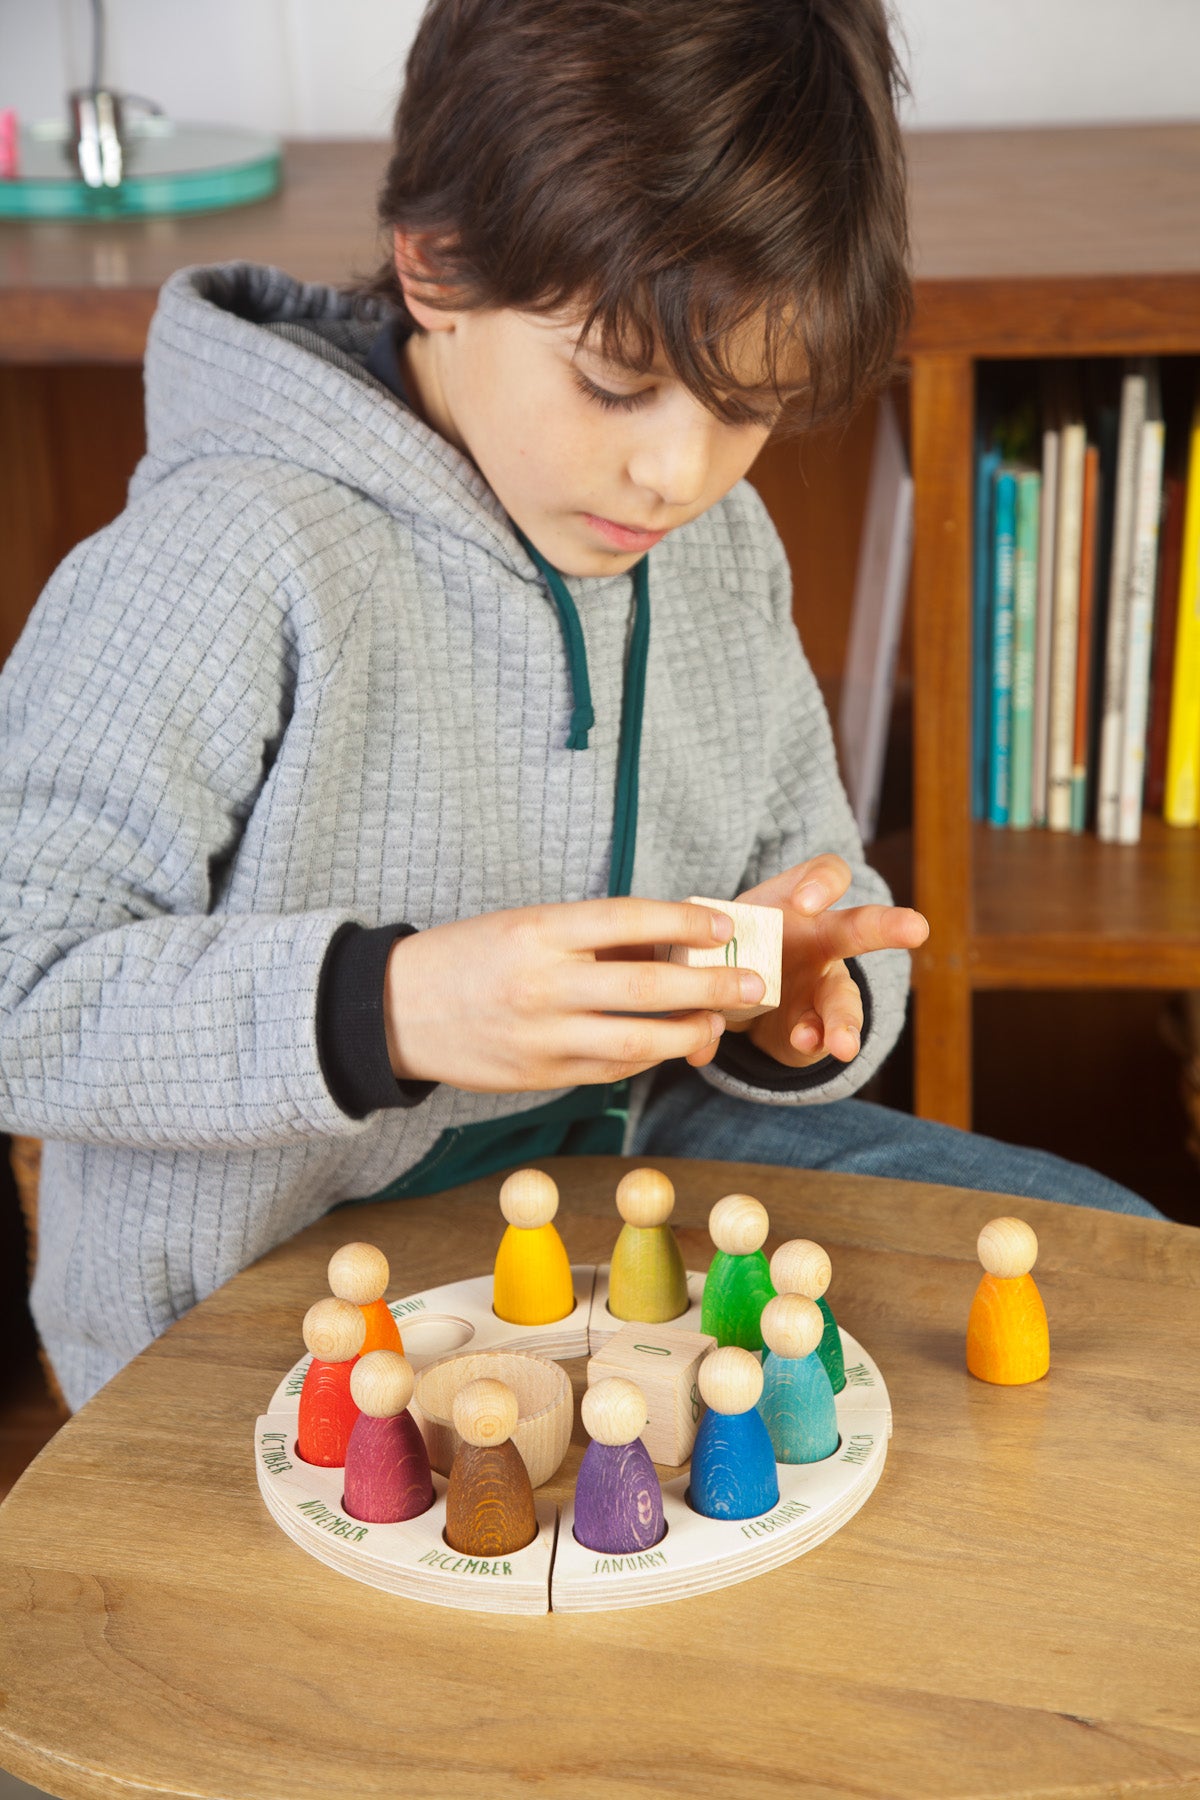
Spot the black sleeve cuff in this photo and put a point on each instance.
(351, 1040)
(738, 1057)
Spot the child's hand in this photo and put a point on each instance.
(517, 1000)
(820, 1009)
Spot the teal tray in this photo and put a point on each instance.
(168, 168)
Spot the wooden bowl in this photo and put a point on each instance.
(545, 1406)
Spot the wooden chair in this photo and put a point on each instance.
(26, 1159)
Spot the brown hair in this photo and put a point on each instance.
(675, 169)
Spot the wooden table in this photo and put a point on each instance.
(1015, 1610)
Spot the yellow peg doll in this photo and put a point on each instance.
(1008, 1340)
(647, 1280)
(532, 1283)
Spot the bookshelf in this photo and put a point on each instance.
(1046, 243)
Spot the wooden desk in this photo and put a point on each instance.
(1016, 1609)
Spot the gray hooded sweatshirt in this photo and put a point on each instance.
(311, 680)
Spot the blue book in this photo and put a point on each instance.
(987, 462)
(1004, 513)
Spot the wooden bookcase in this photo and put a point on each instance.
(1074, 242)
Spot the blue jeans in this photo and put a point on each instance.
(686, 1116)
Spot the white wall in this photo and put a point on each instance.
(333, 67)
(1023, 62)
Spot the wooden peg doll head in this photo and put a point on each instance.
(730, 1380)
(645, 1198)
(382, 1383)
(792, 1325)
(359, 1273)
(529, 1198)
(614, 1411)
(801, 1267)
(1007, 1248)
(738, 1224)
(485, 1412)
(333, 1330)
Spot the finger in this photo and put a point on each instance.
(619, 1047)
(778, 891)
(589, 925)
(823, 883)
(806, 1034)
(702, 1058)
(653, 987)
(837, 1000)
(858, 930)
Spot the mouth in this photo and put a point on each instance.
(625, 537)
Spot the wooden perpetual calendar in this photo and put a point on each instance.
(555, 1572)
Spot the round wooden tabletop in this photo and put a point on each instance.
(1016, 1609)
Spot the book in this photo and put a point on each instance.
(881, 586)
(1142, 571)
(1108, 780)
(1065, 628)
(1107, 434)
(1004, 512)
(1025, 588)
(1045, 619)
(987, 461)
(1183, 740)
(1166, 614)
(1088, 558)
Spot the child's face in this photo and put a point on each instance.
(573, 447)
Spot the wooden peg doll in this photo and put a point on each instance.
(802, 1267)
(333, 1335)
(1008, 1339)
(647, 1281)
(532, 1283)
(618, 1501)
(738, 1283)
(797, 1398)
(733, 1465)
(359, 1273)
(489, 1500)
(387, 1465)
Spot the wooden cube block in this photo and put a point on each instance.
(664, 1363)
(757, 943)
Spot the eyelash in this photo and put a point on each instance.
(627, 402)
(611, 402)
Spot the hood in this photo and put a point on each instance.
(244, 360)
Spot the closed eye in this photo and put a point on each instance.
(731, 412)
(606, 398)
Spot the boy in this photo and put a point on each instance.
(353, 773)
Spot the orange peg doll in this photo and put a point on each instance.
(333, 1335)
(532, 1283)
(1008, 1340)
(359, 1273)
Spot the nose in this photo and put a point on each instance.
(672, 461)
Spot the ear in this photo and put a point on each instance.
(416, 275)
